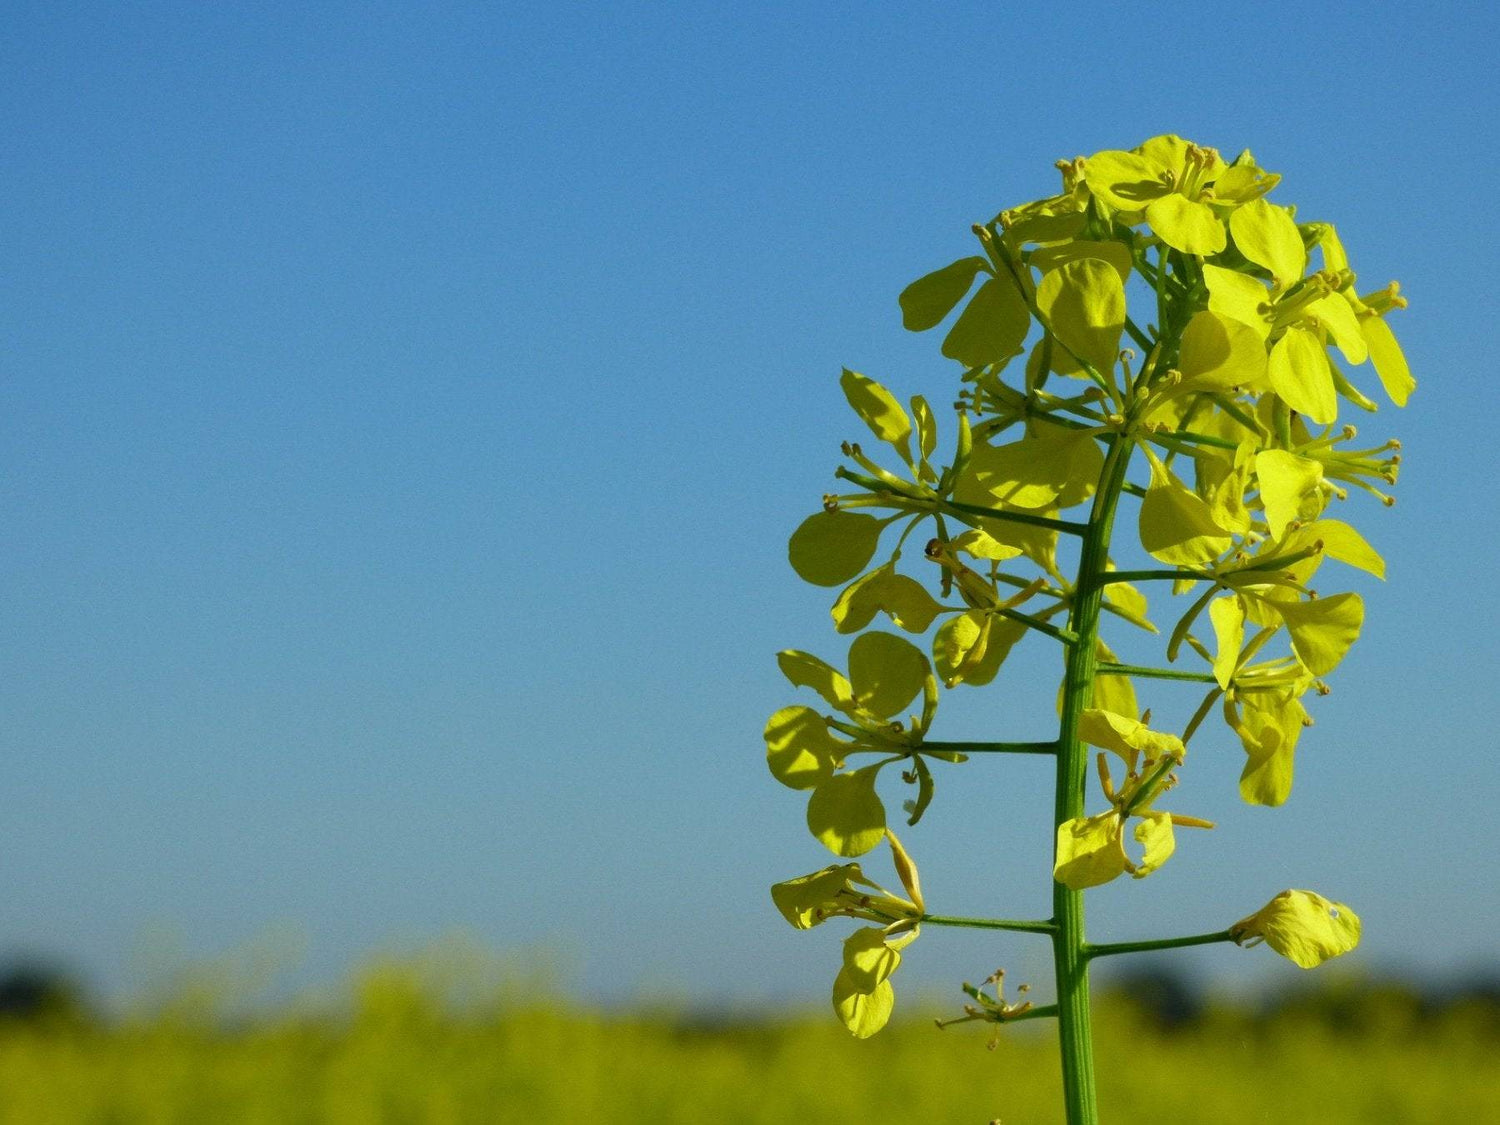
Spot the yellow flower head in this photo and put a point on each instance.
(1302, 926)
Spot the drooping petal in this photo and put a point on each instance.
(1337, 315)
(1228, 618)
(1269, 724)
(1177, 525)
(982, 545)
(886, 672)
(1340, 541)
(1090, 851)
(1300, 374)
(1302, 926)
(807, 900)
(805, 670)
(868, 959)
(863, 1013)
(905, 600)
(846, 814)
(1054, 467)
(1125, 736)
(1390, 361)
(1117, 254)
(1084, 304)
(1154, 832)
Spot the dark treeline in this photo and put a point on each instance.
(35, 993)
(1355, 1005)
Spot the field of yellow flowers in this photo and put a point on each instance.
(399, 1053)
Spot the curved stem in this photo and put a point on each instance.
(1071, 965)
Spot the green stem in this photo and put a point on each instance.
(1066, 636)
(993, 747)
(1023, 927)
(1137, 335)
(1109, 668)
(1177, 439)
(1042, 1012)
(1067, 526)
(1075, 1035)
(1159, 575)
(1111, 948)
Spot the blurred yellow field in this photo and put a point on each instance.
(401, 1055)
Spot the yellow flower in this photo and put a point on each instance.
(1181, 188)
(1302, 926)
(862, 994)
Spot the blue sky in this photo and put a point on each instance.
(404, 409)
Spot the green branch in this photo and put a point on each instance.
(1110, 668)
(992, 747)
(1111, 948)
(1023, 927)
(1178, 575)
(1066, 636)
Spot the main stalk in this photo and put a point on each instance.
(1071, 965)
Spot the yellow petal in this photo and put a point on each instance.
(1054, 467)
(829, 548)
(926, 301)
(1390, 362)
(1177, 525)
(1269, 724)
(1125, 736)
(1187, 225)
(806, 900)
(1266, 234)
(1302, 926)
(799, 748)
(1239, 297)
(1289, 488)
(886, 672)
(1090, 851)
(1340, 541)
(868, 960)
(1219, 352)
(846, 814)
(1336, 314)
(1323, 629)
(991, 328)
(1228, 618)
(1117, 254)
(1125, 181)
(1154, 831)
(1083, 302)
(863, 1013)
(1299, 373)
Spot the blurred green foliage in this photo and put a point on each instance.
(418, 1042)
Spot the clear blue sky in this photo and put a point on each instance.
(404, 407)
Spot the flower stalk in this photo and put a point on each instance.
(1234, 407)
